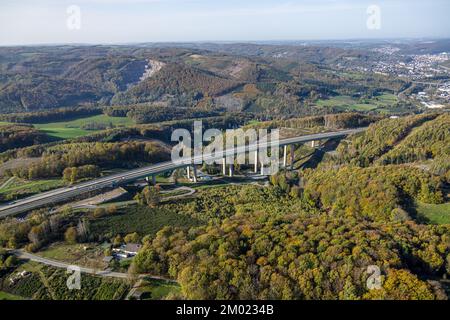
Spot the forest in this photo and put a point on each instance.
(19, 136)
(143, 114)
(310, 233)
(55, 160)
(430, 141)
(230, 78)
(388, 135)
(375, 199)
(313, 233)
(260, 253)
(50, 115)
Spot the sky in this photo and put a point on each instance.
(131, 21)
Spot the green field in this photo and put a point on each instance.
(158, 289)
(434, 213)
(253, 123)
(21, 188)
(63, 252)
(73, 129)
(86, 255)
(163, 177)
(32, 186)
(8, 296)
(140, 219)
(353, 104)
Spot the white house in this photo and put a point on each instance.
(127, 250)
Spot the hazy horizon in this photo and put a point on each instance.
(52, 22)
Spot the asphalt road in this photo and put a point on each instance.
(62, 265)
(58, 195)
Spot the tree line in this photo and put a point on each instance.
(54, 115)
(88, 157)
(19, 136)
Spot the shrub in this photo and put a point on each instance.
(71, 235)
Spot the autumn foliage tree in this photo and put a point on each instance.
(149, 196)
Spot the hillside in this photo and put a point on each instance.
(180, 81)
(381, 137)
(41, 92)
(111, 74)
(19, 136)
(282, 81)
(303, 234)
(428, 141)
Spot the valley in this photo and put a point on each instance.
(371, 188)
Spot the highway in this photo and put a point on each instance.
(58, 195)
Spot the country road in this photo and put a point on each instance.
(189, 192)
(62, 265)
(7, 182)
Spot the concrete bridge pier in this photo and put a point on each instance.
(256, 161)
(262, 169)
(224, 166)
(284, 156)
(153, 182)
(292, 156)
(195, 173)
(231, 170)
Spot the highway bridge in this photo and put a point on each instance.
(63, 194)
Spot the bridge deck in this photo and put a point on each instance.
(59, 195)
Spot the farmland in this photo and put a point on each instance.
(86, 255)
(140, 219)
(48, 283)
(377, 197)
(77, 128)
(8, 296)
(158, 289)
(353, 104)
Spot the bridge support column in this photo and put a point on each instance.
(292, 156)
(188, 172)
(256, 161)
(284, 156)
(224, 166)
(231, 170)
(153, 182)
(262, 169)
(195, 174)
